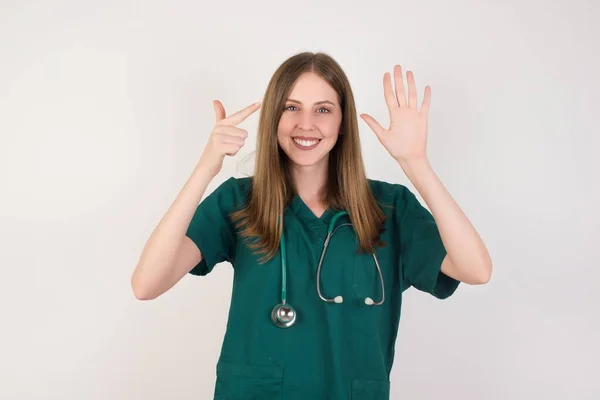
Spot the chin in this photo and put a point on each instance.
(307, 160)
(303, 163)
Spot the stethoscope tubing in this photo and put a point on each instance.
(284, 315)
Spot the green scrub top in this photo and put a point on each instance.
(333, 351)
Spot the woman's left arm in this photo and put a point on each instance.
(467, 258)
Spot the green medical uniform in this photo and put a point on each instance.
(333, 351)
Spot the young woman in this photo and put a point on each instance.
(321, 254)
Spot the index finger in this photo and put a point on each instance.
(241, 115)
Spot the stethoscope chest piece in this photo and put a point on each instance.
(283, 315)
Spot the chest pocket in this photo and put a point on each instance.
(367, 282)
(337, 269)
(248, 382)
(353, 272)
(354, 275)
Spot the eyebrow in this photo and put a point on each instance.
(317, 103)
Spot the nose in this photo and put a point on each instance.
(306, 121)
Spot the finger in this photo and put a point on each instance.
(231, 130)
(400, 95)
(231, 149)
(230, 139)
(219, 110)
(241, 115)
(388, 92)
(374, 125)
(426, 100)
(412, 89)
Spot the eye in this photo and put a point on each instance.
(321, 110)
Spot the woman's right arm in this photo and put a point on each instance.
(169, 254)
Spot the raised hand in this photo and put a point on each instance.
(406, 138)
(226, 139)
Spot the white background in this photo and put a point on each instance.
(105, 108)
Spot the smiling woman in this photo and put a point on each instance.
(308, 99)
(310, 221)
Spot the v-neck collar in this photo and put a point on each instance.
(306, 215)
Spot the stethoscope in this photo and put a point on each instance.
(284, 314)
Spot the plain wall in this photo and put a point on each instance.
(105, 108)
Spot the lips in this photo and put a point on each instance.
(305, 143)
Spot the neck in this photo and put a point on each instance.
(310, 182)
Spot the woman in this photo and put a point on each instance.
(309, 321)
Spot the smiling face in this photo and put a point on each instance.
(310, 123)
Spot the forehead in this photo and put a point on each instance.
(310, 88)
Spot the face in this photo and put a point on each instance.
(310, 123)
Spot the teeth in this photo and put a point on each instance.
(305, 143)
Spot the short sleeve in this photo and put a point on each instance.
(421, 248)
(211, 228)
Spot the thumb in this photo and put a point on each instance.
(374, 125)
(219, 110)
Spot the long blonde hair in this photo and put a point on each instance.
(271, 186)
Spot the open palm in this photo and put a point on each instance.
(406, 137)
